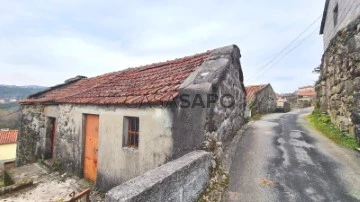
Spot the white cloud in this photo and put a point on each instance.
(51, 41)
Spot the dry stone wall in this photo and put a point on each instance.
(339, 80)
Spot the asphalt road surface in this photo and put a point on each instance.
(281, 158)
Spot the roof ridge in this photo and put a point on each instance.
(167, 62)
(257, 85)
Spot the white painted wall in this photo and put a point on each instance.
(7, 152)
(247, 112)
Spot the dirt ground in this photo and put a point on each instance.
(48, 186)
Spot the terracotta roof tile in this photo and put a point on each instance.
(252, 90)
(307, 93)
(159, 81)
(8, 136)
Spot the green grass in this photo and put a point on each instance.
(322, 122)
(256, 117)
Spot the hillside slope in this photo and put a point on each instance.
(8, 92)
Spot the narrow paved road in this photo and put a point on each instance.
(281, 158)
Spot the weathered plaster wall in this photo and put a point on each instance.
(116, 164)
(265, 101)
(181, 180)
(348, 10)
(340, 76)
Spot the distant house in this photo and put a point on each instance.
(7, 146)
(114, 127)
(261, 99)
(306, 96)
(282, 105)
(291, 98)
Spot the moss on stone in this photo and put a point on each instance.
(7, 179)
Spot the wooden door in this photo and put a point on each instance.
(91, 146)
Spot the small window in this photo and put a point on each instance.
(131, 132)
(336, 14)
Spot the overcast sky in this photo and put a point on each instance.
(47, 42)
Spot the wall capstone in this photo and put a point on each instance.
(180, 180)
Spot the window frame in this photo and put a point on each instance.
(131, 132)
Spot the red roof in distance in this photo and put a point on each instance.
(8, 136)
(306, 93)
(252, 90)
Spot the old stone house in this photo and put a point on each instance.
(282, 105)
(306, 95)
(290, 98)
(261, 99)
(339, 81)
(117, 126)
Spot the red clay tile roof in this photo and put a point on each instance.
(146, 84)
(307, 93)
(252, 90)
(8, 136)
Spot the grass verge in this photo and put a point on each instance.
(256, 117)
(322, 122)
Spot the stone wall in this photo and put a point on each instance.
(181, 180)
(355, 117)
(227, 115)
(339, 80)
(221, 75)
(348, 10)
(265, 101)
(217, 124)
(32, 128)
